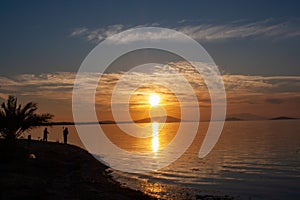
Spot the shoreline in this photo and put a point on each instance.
(62, 172)
(58, 171)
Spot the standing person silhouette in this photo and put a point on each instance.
(65, 133)
(45, 136)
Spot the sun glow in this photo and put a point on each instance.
(154, 100)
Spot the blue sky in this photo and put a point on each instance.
(263, 38)
(254, 43)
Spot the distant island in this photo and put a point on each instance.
(167, 119)
(233, 119)
(283, 118)
(170, 119)
(244, 117)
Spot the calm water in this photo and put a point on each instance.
(252, 159)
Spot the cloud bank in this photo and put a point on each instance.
(59, 86)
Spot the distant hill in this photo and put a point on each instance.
(244, 116)
(73, 123)
(57, 123)
(283, 118)
(233, 119)
(168, 119)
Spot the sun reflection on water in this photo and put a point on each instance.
(155, 137)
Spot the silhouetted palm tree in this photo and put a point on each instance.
(15, 119)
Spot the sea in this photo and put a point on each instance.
(251, 160)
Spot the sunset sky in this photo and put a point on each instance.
(255, 45)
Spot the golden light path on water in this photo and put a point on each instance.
(155, 137)
(154, 100)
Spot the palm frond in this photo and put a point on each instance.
(15, 119)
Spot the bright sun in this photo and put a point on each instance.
(154, 100)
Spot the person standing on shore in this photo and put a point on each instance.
(65, 133)
(45, 136)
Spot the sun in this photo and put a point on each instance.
(154, 100)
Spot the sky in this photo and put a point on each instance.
(255, 44)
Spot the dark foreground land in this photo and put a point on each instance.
(58, 172)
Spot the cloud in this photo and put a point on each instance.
(36, 84)
(263, 84)
(274, 100)
(204, 32)
(97, 35)
(79, 31)
(49, 86)
(266, 28)
(240, 89)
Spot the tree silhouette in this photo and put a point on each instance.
(15, 119)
